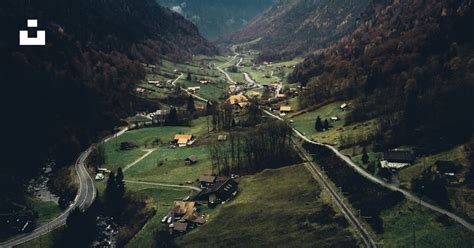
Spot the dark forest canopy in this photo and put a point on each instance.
(410, 61)
(59, 98)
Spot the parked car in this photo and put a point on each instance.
(170, 220)
(164, 219)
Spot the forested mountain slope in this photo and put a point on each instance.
(297, 27)
(216, 18)
(57, 99)
(411, 62)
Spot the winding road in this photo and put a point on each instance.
(410, 196)
(226, 63)
(84, 198)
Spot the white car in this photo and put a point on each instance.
(170, 220)
(164, 219)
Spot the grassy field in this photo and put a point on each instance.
(213, 91)
(305, 123)
(173, 169)
(144, 138)
(46, 240)
(47, 210)
(161, 199)
(430, 231)
(275, 208)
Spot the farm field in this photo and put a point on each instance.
(431, 230)
(275, 208)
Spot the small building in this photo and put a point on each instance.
(194, 89)
(447, 167)
(191, 160)
(219, 192)
(128, 145)
(344, 106)
(222, 137)
(334, 118)
(285, 109)
(207, 181)
(397, 159)
(180, 226)
(99, 177)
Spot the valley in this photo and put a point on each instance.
(314, 124)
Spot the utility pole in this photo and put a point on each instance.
(414, 235)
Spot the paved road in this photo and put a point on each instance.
(410, 196)
(226, 63)
(85, 196)
(164, 185)
(187, 91)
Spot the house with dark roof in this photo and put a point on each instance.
(191, 160)
(207, 181)
(219, 192)
(396, 159)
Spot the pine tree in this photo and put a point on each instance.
(365, 156)
(110, 193)
(191, 108)
(208, 108)
(319, 125)
(326, 125)
(172, 118)
(189, 77)
(120, 184)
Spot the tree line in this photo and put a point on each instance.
(267, 146)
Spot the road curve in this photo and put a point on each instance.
(224, 72)
(84, 198)
(164, 185)
(410, 196)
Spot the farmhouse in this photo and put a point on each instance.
(240, 101)
(180, 208)
(219, 192)
(207, 181)
(397, 159)
(183, 140)
(194, 89)
(285, 109)
(191, 160)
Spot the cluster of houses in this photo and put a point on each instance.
(238, 101)
(184, 214)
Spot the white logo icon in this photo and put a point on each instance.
(39, 40)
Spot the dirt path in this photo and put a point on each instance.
(148, 152)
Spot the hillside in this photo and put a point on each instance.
(297, 27)
(217, 18)
(60, 97)
(412, 62)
